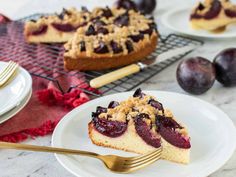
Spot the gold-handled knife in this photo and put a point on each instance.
(137, 67)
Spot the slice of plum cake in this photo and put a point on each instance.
(213, 15)
(140, 124)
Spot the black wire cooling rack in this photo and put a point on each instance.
(46, 60)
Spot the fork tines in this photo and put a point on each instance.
(8, 72)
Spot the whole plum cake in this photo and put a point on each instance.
(100, 39)
(111, 38)
(213, 15)
(140, 124)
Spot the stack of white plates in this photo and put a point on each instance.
(16, 94)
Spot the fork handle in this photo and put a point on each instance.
(4, 145)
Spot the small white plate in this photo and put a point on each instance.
(14, 92)
(178, 21)
(212, 137)
(17, 109)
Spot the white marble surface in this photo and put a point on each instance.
(29, 164)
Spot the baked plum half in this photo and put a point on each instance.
(64, 27)
(42, 30)
(167, 129)
(145, 132)
(107, 127)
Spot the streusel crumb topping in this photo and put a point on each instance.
(70, 16)
(109, 31)
(131, 107)
(114, 32)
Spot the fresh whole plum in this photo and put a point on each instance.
(225, 66)
(146, 6)
(196, 75)
(127, 4)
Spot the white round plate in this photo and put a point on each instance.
(17, 109)
(212, 137)
(15, 91)
(178, 21)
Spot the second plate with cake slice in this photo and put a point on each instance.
(213, 19)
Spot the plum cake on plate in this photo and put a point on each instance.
(140, 124)
(213, 15)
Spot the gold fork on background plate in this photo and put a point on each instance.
(114, 163)
(8, 72)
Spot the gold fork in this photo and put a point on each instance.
(8, 72)
(114, 163)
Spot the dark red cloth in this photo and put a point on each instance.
(45, 108)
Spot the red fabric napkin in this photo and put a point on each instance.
(45, 108)
(4, 19)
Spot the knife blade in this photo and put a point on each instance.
(137, 67)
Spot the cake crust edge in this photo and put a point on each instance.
(85, 63)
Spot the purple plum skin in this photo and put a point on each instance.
(145, 6)
(225, 66)
(196, 75)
